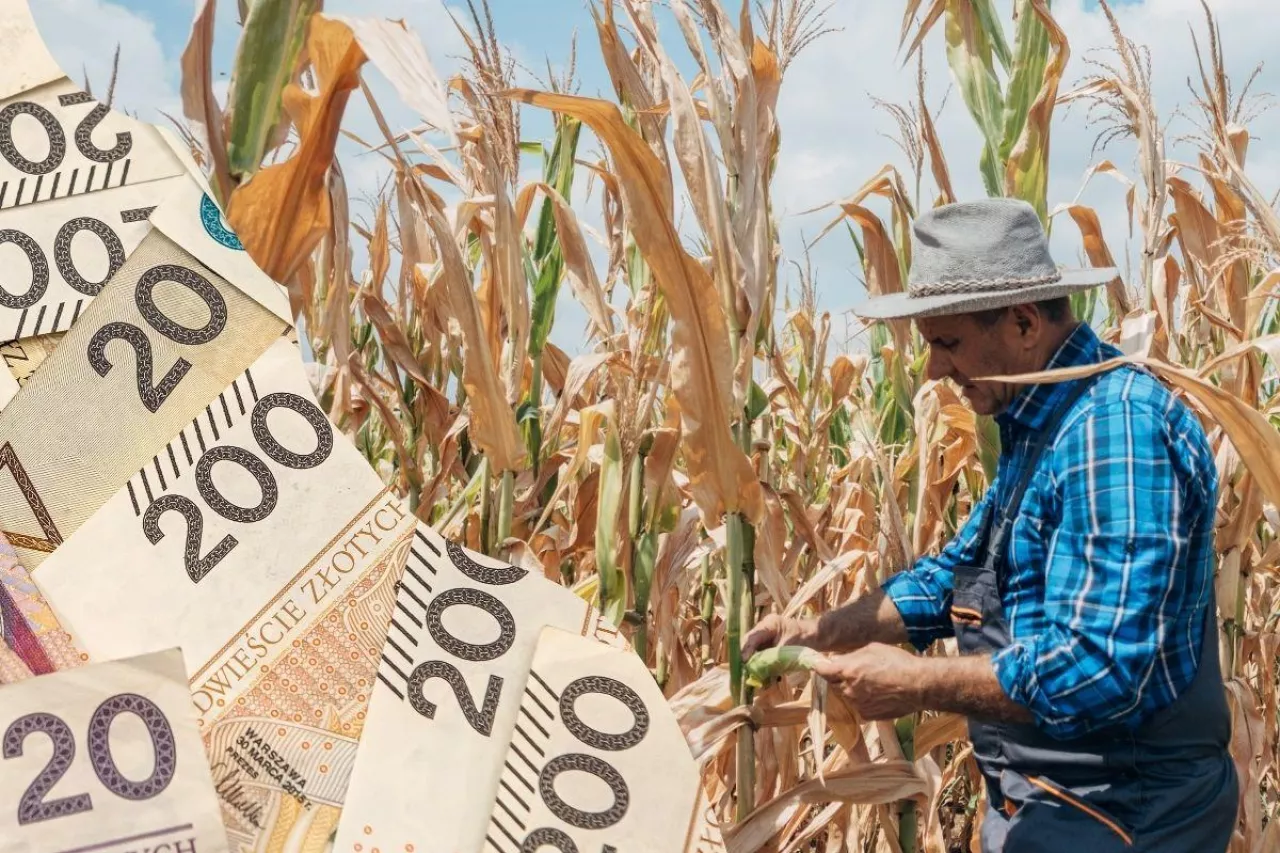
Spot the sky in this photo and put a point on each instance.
(833, 137)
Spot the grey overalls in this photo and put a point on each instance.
(1169, 787)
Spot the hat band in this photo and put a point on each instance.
(977, 286)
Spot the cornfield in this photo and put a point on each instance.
(710, 457)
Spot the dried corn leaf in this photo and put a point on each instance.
(397, 51)
(867, 783)
(1095, 247)
(722, 478)
(283, 211)
(199, 103)
(493, 426)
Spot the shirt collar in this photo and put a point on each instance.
(1033, 405)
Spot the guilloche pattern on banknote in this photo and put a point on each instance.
(166, 335)
(31, 630)
(284, 750)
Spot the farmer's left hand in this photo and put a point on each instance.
(881, 682)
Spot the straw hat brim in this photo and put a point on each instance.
(896, 306)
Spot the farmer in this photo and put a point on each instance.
(1080, 591)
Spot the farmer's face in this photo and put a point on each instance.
(962, 349)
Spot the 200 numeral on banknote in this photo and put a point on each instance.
(262, 542)
(199, 566)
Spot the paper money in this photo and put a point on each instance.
(262, 542)
(597, 761)
(77, 182)
(106, 758)
(59, 254)
(30, 629)
(28, 61)
(21, 359)
(185, 315)
(448, 703)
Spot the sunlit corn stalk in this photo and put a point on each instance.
(855, 486)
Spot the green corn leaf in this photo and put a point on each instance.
(776, 662)
(969, 53)
(989, 18)
(547, 263)
(757, 402)
(1032, 55)
(274, 33)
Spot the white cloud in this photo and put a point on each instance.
(83, 34)
(831, 141)
(833, 138)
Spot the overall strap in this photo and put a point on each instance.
(1000, 520)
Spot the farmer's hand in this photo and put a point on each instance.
(774, 630)
(880, 682)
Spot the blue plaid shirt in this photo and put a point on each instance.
(1110, 561)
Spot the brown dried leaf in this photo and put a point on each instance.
(722, 478)
(199, 103)
(1095, 246)
(866, 783)
(493, 425)
(283, 211)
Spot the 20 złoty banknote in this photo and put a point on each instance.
(263, 543)
(106, 758)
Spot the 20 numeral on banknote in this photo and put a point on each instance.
(154, 395)
(34, 806)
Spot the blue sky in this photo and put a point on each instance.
(833, 139)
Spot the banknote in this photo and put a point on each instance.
(185, 315)
(77, 182)
(597, 760)
(28, 62)
(21, 359)
(58, 254)
(449, 700)
(260, 541)
(106, 758)
(30, 630)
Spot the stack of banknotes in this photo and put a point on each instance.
(221, 632)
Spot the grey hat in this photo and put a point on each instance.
(974, 256)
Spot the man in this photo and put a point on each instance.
(1080, 590)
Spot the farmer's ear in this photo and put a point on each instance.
(1028, 321)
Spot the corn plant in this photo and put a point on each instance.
(713, 455)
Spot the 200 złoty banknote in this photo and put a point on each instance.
(495, 684)
(264, 544)
(461, 642)
(185, 315)
(106, 758)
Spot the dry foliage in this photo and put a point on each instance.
(711, 457)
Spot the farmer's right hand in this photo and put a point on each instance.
(774, 630)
